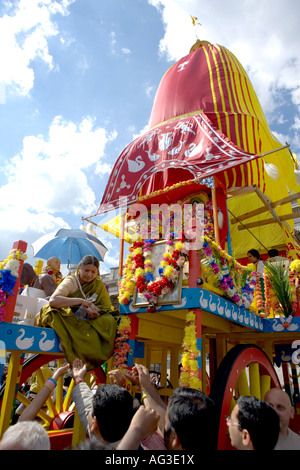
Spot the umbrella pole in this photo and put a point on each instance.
(215, 214)
(121, 245)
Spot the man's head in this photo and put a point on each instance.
(111, 413)
(27, 274)
(253, 425)
(54, 264)
(282, 405)
(190, 421)
(25, 435)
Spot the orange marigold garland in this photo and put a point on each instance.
(259, 296)
(121, 345)
(268, 289)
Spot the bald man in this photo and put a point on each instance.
(44, 282)
(288, 439)
(54, 265)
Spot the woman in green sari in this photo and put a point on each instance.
(81, 314)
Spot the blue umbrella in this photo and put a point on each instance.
(69, 245)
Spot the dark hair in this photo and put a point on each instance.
(113, 409)
(89, 259)
(261, 421)
(254, 252)
(273, 252)
(192, 415)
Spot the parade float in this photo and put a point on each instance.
(207, 182)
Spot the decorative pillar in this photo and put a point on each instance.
(194, 276)
(10, 306)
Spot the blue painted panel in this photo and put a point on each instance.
(210, 302)
(29, 338)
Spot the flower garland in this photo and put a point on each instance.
(9, 272)
(139, 271)
(127, 284)
(295, 267)
(268, 291)
(293, 282)
(223, 275)
(259, 296)
(121, 345)
(189, 369)
(169, 271)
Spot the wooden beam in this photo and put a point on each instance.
(241, 191)
(261, 210)
(259, 223)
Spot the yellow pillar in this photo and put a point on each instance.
(254, 380)
(10, 390)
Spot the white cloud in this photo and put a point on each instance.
(125, 50)
(49, 173)
(24, 32)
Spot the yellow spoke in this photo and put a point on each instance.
(67, 400)
(265, 385)
(254, 380)
(41, 414)
(242, 384)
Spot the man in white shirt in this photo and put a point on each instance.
(288, 439)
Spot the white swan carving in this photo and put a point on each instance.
(136, 165)
(181, 304)
(278, 324)
(203, 302)
(234, 313)
(46, 345)
(220, 308)
(212, 305)
(284, 357)
(24, 343)
(227, 312)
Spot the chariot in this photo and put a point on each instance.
(205, 184)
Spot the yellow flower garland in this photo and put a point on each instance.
(189, 370)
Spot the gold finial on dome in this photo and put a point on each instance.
(199, 44)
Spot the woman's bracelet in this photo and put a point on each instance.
(143, 397)
(51, 384)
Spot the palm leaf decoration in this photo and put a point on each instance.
(279, 278)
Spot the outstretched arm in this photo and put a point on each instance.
(151, 399)
(143, 424)
(32, 410)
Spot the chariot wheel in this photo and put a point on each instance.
(58, 411)
(245, 370)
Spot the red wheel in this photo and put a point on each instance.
(60, 410)
(245, 370)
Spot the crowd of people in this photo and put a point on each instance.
(115, 420)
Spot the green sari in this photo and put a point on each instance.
(91, 340)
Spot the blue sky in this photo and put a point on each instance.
(77, 83)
